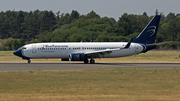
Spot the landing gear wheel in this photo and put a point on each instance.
(92, 61)
(86, 61)
(29, 61)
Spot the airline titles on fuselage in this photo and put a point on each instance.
(52, 48)
(55, 46)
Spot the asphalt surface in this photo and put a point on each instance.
(80, 66)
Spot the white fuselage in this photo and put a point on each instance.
(63, 50)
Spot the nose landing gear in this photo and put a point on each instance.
(29, 61)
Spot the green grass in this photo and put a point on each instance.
(151, 56)
(97, 84)
(90, 85)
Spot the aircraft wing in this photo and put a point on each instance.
(101, 53)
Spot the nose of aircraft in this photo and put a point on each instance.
(18, 52)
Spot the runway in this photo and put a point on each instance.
(81, 66)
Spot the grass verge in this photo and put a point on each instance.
(89, 85)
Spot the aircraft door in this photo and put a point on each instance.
(33, 48)
(40, 51)
(136, 48)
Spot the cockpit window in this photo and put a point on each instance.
(22, 47)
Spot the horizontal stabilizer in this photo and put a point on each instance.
(155, 44)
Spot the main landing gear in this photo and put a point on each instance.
(92, 61)
(86, 61)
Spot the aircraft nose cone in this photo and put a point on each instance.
(18, 52)
(15, 52)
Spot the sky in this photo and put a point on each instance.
(104, 8)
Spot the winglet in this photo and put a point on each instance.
(128, 44)
(91, 40)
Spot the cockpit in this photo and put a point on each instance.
(18, 52)
(22, 47)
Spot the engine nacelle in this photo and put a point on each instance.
(78, 57)
(64, 59)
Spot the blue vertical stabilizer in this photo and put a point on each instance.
(148, 35)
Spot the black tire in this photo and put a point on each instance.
(92, 61)
(86, 61)
(29, 61)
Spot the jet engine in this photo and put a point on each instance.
(78, 57)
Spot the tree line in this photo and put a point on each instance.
(46, 26)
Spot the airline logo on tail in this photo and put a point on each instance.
(148, 35)
(151, 30)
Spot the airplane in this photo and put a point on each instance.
(84, 51)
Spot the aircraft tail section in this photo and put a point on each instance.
(148, 35)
